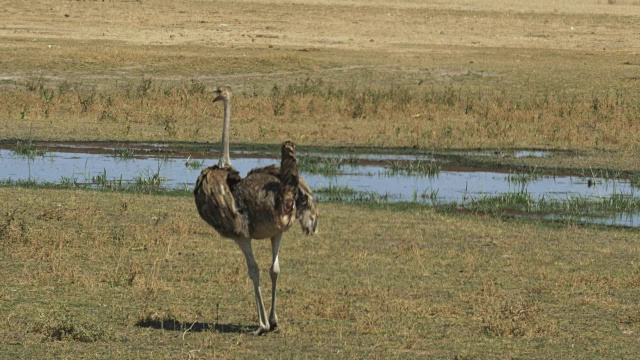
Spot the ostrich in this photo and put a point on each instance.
(260, 206)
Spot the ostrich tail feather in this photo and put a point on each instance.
(289, 176)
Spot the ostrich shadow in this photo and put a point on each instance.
(172, 324)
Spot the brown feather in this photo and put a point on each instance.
(260, 205)
(216, 203)
(288, 178)
(306, 210)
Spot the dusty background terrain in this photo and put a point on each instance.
(100, 274)
(553, 75)
(585, 42)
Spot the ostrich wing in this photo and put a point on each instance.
(259, 196)
(269, 196)
(216, 203)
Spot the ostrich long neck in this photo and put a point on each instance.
(225, 161)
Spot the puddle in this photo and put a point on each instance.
(82, 167)
(107, 147)
(501, 153)
(630, 220)
(446, 187)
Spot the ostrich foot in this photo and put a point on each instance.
(261, 331)
(274, 327)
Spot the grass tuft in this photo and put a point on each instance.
(27, 149)
(62, 326)
(333, 193)
(124, 153)
(525, 176)
(417, 167)
(512, 317)
(193, 163)
(321, 165)
(371, 114)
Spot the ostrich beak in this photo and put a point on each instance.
(218, 98)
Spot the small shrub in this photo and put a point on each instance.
(194, 87)
(278, 100)
(357, 104)
(12, 227)
(107, 115)
(64, 87)
(35, 84)
(144, 86)
(85, 99)
(47, 95)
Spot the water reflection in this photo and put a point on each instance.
(446, 187)
(458, 186)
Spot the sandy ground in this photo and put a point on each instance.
(397, 26)
(526, 50)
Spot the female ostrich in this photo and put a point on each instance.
(259, 206)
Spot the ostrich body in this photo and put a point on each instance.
(262, 205)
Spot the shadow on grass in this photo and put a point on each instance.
(176, 325)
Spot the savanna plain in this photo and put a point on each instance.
(126, 274)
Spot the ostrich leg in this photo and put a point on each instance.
(274, 271)
(254, 274)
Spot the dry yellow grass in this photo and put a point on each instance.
(515, 53)
(93, 275)
(313, 112)
(103, 272)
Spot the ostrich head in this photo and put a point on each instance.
(306, 210)
(224, 94)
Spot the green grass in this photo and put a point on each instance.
(520, 201)
(149, 183)
(61, 325)
(524, 177)
(571, 205)
(346, 194)
(150, 178)
(27, 149)
(427, 168)
(428, 195)
(124, 153)
(335, 190)
(320, 165)
(193, 163)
